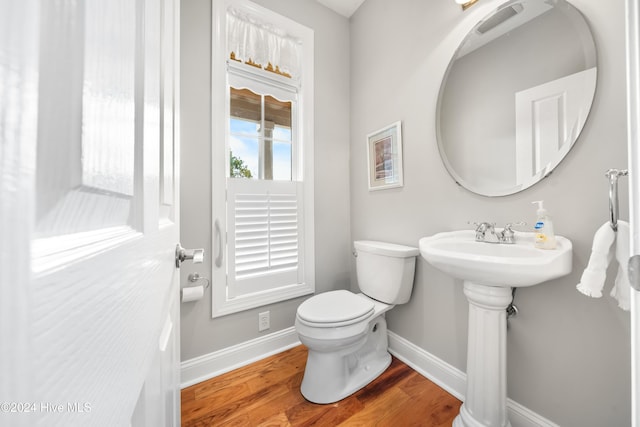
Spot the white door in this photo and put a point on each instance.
(548, 117)
(89, 292)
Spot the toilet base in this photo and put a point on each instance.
(312, 390)
(332, 376)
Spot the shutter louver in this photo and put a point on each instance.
(264, 244)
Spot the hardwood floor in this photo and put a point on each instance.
(267, 393)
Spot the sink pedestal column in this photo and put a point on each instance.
(485, 403)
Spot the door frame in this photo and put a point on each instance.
(633, 132)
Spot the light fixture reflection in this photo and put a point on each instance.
(466, 4)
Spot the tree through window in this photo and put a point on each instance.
(260, 129)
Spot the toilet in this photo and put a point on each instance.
(346, 333)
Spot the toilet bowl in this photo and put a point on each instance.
(345, 332)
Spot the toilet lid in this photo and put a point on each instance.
(334, 307)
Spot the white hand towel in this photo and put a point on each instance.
(622, 289)
(594, 276)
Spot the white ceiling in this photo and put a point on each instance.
(343, 7)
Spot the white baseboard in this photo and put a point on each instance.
(524, 417)
(454, 380)
(443, 374)
(211, 365)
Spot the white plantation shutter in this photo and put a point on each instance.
(265, 236)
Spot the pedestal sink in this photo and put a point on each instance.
(489, 272)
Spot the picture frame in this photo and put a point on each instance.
(384, 151)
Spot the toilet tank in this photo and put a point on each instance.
(385, 271)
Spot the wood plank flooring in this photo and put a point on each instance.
(267, 393)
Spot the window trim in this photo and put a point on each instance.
(221, 305)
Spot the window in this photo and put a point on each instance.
(260, 130)
(263, 203)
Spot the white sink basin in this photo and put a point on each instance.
(496, 264)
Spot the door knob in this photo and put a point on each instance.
(182, 254)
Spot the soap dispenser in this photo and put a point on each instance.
(545, 238)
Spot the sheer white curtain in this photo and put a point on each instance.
(249, 38)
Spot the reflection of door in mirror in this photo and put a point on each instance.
(543, 121)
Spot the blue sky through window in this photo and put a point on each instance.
(244, 144)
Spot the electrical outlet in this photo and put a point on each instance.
(263, 321)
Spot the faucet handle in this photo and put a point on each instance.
(482, 225)
(511, 224)
(507, 233)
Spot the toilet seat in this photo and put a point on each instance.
(334, 309)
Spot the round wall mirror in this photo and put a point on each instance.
(516, 95)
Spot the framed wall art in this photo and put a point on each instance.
(384, 148)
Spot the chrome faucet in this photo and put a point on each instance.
(486, 232)
(481, 233)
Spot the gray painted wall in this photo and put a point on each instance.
(568, 355)
(200, 333)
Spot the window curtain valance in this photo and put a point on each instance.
(262, 44)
